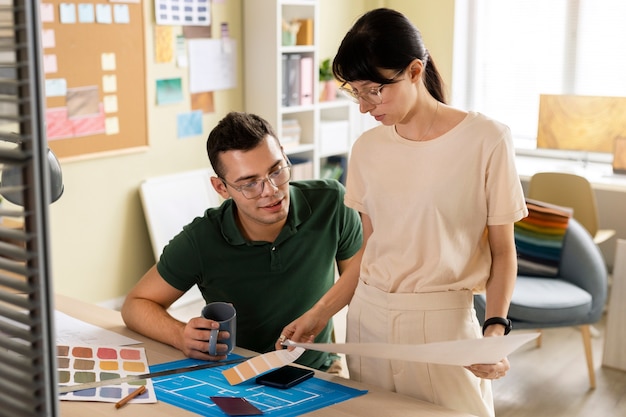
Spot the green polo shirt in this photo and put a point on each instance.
(269, 283)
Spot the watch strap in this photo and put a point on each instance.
(508, 326)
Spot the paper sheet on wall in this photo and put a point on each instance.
(212, 64)
(456, 352)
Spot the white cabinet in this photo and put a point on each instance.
(326, 129)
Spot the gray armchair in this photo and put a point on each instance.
(576, 297)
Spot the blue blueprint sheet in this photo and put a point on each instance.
(192, 390)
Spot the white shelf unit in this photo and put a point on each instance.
(263, 80)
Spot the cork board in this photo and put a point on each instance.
(586, 123)
(94, 69)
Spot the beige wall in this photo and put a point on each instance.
(100, 245)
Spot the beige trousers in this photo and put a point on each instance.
(375, 316)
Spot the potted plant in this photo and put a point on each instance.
(328, 86)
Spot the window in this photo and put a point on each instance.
(508, 52)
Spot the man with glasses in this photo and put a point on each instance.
(270, 249)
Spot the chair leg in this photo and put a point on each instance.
(538, 340)
(586, 333)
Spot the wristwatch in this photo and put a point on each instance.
(508, 326)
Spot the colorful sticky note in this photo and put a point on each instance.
(169, 91)
(112, 125)
(121, 13)
(86, 13)
(67, 13)
(50, 63)
(189, 124)
(46, 11)
(103, 13)
(47, 38)
(109, 83)
(56, 87)
(107, 60)
(110, 104)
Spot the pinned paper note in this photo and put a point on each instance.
(260, 365)
(456, 352)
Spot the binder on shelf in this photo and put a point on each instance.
(306, 80)
(285, 81)
(293, 76)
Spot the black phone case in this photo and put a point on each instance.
(285, 377)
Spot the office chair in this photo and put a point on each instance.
(570, 190)
(575, 297)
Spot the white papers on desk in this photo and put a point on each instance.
(457, 352)
(70, 330)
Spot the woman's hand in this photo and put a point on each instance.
(303, 329)
(490, 371)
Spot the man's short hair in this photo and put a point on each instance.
(236, 131)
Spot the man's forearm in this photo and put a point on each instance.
(152, 320)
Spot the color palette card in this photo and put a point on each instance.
(80, 364)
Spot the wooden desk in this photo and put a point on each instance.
(375, 403)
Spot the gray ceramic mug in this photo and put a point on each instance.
(226, 316)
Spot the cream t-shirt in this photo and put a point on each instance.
(430, 203)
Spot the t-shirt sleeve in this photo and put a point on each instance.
(351, 232)
(505, 196)
(179, 264)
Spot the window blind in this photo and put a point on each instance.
(28, 381)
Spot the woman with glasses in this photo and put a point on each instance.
(438, 194)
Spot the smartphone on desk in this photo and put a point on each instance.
(285, 377)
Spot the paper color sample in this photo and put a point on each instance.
(260, 364)
(457, 352)
(81, 364)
